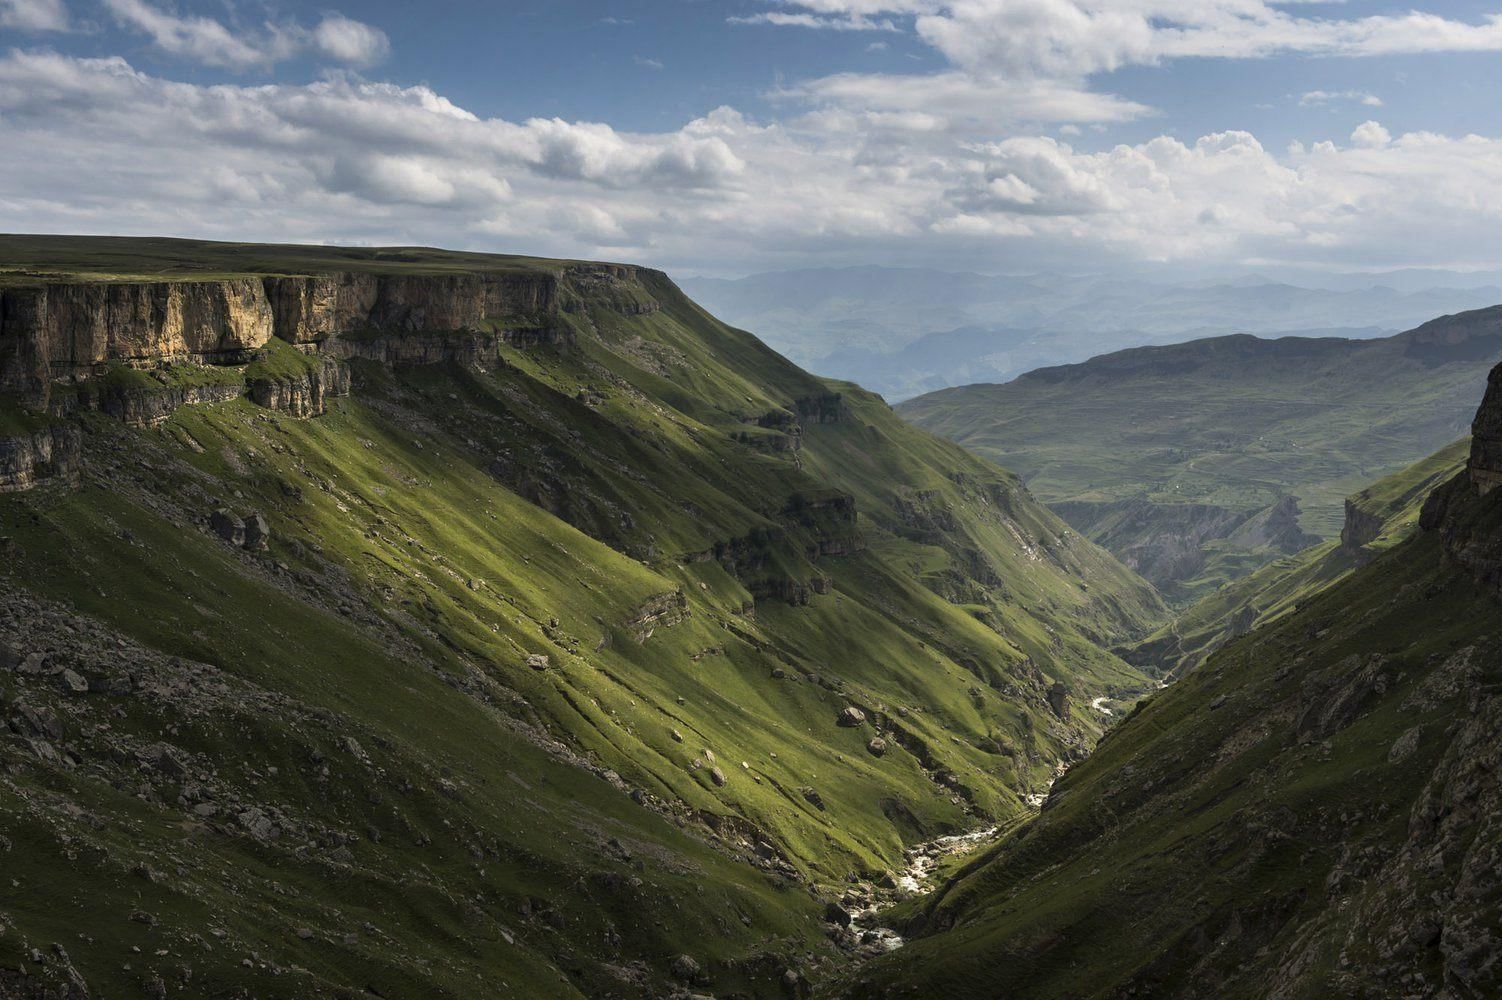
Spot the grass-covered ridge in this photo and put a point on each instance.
(672, 777)
(1186, 442)
(1297, 817)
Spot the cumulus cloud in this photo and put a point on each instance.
(350, 41)
(996, 48)
(33, 15)
(367, 161)
(213, 43)
(1371, 135)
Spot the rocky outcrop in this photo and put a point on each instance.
(317, 308)
(462, 347)
(1485, 467)
(61, 329)
(824, 408)
(304, 394)
(662, 611)
(145, 405)
(30, 457)
(1466, 512)
(1361, 528)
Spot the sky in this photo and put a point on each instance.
(732, 136)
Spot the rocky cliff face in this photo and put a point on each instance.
(31, 457)
(305, 394)
(58, 329)
(1486, 437)
(1361, 527)
(82, 330)
(1467, 511)
(312, 309)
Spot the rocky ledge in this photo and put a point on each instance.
(1466, 512)
(29, 457)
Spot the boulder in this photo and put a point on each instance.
(834, 913)
(72, 682)
(717, 776)
(227, 526)
(851, 717)
(877, 746)
(257, 533)
(538, 661)
(685, 969)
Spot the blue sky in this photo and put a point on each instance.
(731, 135)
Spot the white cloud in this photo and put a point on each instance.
(33, 15)
(646, 63)
(213, 43)
(1371, 135)
(350, 41)
(997, 48)
(367, 161)
(1319, 98)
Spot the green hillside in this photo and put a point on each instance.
(1312, 812)
(1378, 518)
(539, 682)
(1170, 456)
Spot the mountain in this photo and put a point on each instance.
(1182, 459)
(1312, 812)
(416, 623)
(906, 331)
(1376, 518)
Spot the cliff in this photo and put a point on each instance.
(1485, 468)
(1467, 511)
(139, 350)
(29, 456)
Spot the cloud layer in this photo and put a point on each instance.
(97, 145)
(946, 167)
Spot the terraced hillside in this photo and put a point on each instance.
(1312, 812)
(1197, 463)
(427, 624)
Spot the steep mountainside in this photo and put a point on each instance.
(1377, 518)
(905, 331)
(1169, 456)
(1313, 812)
(436, 624)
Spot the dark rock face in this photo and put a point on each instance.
(1486, 437)
(58, 329)
(1058, 699)
(1360, 529)
(227, 526)
(304, 395)
(49, 453)
(144, 407)
(1466, 512)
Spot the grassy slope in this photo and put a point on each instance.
(415, 586)
(1247, 832)
(1233, 422)
(1280, 587)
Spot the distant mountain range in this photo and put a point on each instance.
(906, 331)
(1196, 463)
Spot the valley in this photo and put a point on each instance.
(523, 589)
(416, 623)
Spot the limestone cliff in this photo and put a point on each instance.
(29, 457)
(58, 329)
